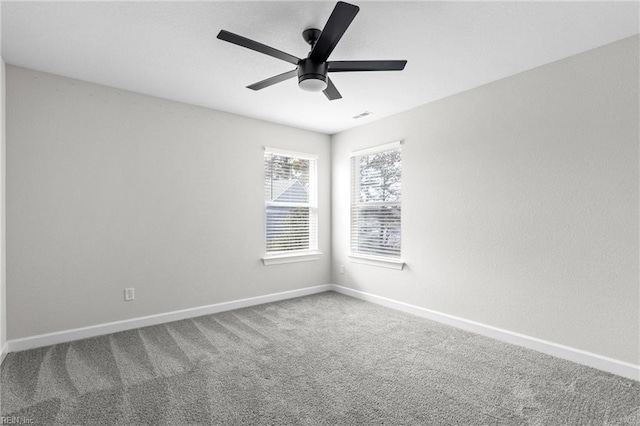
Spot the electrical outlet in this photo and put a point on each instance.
(129, 294)
(342, 269)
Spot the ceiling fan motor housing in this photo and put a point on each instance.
(312, 76)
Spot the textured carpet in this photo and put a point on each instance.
(322, 359)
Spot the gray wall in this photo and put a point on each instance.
(3, 275)
(520, 203)
(108, 189)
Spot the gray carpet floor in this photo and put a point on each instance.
(325, 359)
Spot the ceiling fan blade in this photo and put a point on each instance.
(258, 47)
(273, 80)
(335, 27)
(331, 92)
(351, 66)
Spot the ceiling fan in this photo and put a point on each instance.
(312, 71)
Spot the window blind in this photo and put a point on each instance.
(376, 192)
(290, 192)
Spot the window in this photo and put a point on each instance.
(291, 205)
(376, 203)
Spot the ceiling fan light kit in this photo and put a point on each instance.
(312, 71)
(312, 76)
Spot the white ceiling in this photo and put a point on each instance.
(170, 50)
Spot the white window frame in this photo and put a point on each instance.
(303, 255)
(375, 260)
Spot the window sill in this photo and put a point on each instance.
(383, 262)
(278, 259)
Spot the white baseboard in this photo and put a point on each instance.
(600, 362)
(610, 365)
(4, 350)
(112, 327)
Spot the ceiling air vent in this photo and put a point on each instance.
(362, 114)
